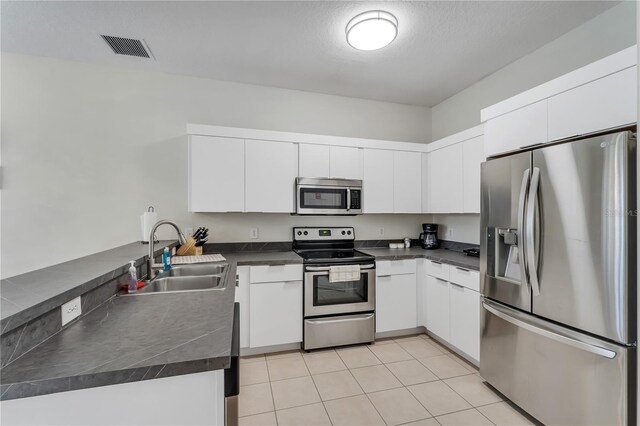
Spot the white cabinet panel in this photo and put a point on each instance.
(346, 162)
(216, 174)
(437, 269)
(273, 273)
(395, 302)
(242, 297)
(601, 104)
(465, 320)
(472, 157)
(378, 181)
(465, 277)
(396, 267)
(407, 182)
(425, 183)
(445, 180)
(271, 169)
(313, 160)
(522, 127)
(438, 307)
(275, 313)
(421, 294)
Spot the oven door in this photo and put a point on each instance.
(322, 200)
(322, 297)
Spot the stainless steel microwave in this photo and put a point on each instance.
(320, 196)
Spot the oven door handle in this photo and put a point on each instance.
(337, 320)
(326, 268)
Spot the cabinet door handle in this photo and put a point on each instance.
(440, 279)
(456, 285)
(436, 262)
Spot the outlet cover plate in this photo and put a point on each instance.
(253, 233)
(71, 310)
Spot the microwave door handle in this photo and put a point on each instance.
(348, 199)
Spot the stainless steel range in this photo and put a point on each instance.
(339, 288)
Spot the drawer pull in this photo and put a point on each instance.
(462, 269)
(436, 262)
(456, 285)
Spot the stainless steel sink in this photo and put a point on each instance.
(183, 283)
(194, 277)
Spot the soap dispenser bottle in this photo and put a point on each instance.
(166, 258)
(133, 278)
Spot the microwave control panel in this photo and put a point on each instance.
(355, 199)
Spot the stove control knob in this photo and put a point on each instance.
(306, 233)
(343, 232)
(349, 232)
(299, 232)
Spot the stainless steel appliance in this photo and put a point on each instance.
(558, 278)
(336, 312)
(319, 196)
(429, 236)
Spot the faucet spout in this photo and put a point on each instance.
(152, 267)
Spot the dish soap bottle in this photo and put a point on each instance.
(166, 259)
(133, 278)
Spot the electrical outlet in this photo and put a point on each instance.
(253, 233)
(449, 232)
(71, 310)
(381, 232)
(188, 231)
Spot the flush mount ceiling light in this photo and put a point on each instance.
(372, 30)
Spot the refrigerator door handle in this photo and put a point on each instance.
(597, 350)
(530, 253)
(521, 233)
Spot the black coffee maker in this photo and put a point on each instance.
(429, 236)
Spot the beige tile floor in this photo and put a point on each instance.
(410, 380)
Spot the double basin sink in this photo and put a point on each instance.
(193, 277)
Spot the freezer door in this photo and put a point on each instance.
(559, 376)
(504, 182)
(581, 235)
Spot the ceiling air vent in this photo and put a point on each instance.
(127, 46)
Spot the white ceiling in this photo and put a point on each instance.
(442, 47)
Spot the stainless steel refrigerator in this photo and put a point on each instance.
(558, 279)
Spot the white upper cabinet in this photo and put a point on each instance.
(313, 160)
(516, 129)
(271, 169)
(445, 180)
(608, 102)
(472, 157)
(345, 162)
(216, 174)
(378, 181)
(407, 182)
(425, 183)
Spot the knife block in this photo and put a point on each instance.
(189, 248)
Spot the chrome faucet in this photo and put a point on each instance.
(152, 267)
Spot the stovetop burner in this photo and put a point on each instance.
(333, 256)
(328, 246)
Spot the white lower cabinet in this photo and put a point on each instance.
(464, 309)
(438, 307)
(275, 313)
(453, 308)
(396, 295)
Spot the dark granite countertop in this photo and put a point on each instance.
(128, 339)
(451, 257)
(27, 296)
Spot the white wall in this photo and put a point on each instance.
(607, 33)
(86, 148)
